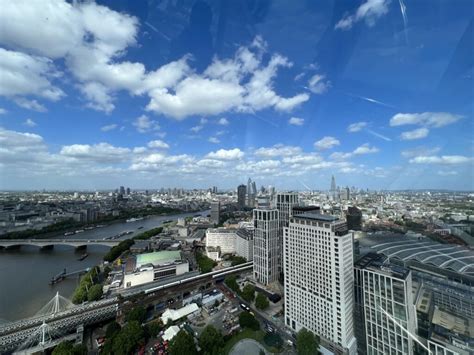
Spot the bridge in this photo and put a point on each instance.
(61, 317)
(42, 243)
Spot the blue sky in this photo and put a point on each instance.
(147, 94)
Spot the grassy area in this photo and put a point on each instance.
(245, 334)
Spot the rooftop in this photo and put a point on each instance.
(446, 256)
(379, 263)
(318, 217)
(158, 257)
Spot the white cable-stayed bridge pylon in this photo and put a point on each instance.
(57, 304)
(42, 336)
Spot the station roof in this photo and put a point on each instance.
(446, 256)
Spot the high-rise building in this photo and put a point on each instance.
(128, 190)
(354, 218)
(319, 279)
(122, 190)
(265, 249)
(285, 201)
(241, 193)
(333, 187)
(384, 306)
(251, 193)
(215, 212)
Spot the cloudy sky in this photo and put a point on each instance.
(152, 94)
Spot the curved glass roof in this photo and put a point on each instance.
(452, 257)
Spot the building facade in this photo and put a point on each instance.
(384, 299)
(285, 201)
(319, 279)
(244, 244)
(215, 212)
(266, 248)
(241, 194)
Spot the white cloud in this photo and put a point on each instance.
(419, 151)
(144, 124)
(277, 150)
(102, 152)
(317, 84)
(29, 123)
(159, 144)
(443, 160)
(326, 143)
(30, 104)
(418, 133)
(109, 127)
(296, 121)
(3, 111)
(356, 127)
(365, 149)
(214, 140)
(361, 150)
(92, 43)
(429, 119)
(243, 83)
(196, 129)
(223, 121)
(222, 154)
(370, 11)
(23, 74)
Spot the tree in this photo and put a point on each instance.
(237, 260)
(246, 320)
(95, 293)
(231, 282)
(205, 264)
(261, 302)
(307, 343)
(152, 329)
(80, 295)
(68, 348)
(248, 293)
(182, 343)
(137, 314)
(211, 340)
(112, 329)
(127, 340)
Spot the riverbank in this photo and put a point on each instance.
(25, 272)
(70, 226)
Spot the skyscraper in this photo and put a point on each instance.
(319, 279)
(333, 187)
(215, 212)
(122, 190)
(241, 192)
(285, 201)
(265, 249)
(354, 218)
(384, 304)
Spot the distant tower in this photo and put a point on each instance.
(215, 212)
(241, 192)
(333, 187)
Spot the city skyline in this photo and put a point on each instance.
(380, 99)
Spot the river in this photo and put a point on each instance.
(25, 273)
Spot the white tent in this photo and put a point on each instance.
(170, 332)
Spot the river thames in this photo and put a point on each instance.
(25, 273)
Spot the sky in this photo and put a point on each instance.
(193, 94)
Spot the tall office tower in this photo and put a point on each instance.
(241, 192)
(122, 190)
(333, 187)
(265, 247)
(285, 201)
(354, 218)
(383, 305)
(128, 190)
(319, 279)
(254, 189)
(215, 212)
